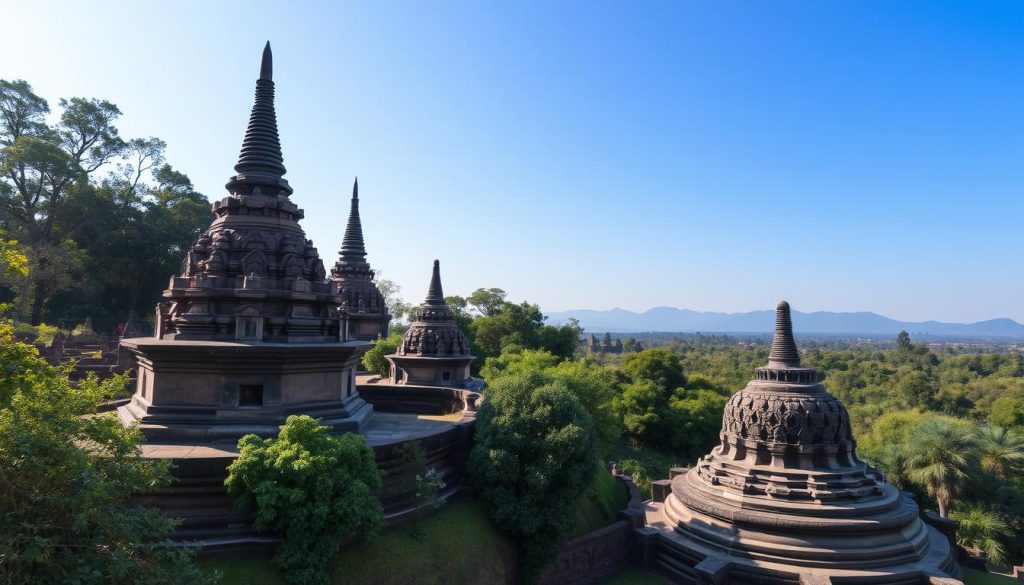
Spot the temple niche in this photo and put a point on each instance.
(430, 370)
(785, 500)
(251, 331)
(352, 278)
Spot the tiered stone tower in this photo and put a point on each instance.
(251, 331)
(785, 500)
(368, 316)
(434, 352)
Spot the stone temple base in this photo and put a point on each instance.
(887, 544)
(416, 399)
(196, 391)
(211, 521)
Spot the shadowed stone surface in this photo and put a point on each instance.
(784, 498)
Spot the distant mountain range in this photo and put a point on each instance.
(669, 319)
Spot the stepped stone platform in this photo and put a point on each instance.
(211, 521)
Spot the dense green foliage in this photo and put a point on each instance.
(493, 325)
(534, 456)
(659, 407)
(593, 386)
(374, 360)
(102, 220)
(314, 489)
(66, 474)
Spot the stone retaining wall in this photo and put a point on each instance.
(601, 553)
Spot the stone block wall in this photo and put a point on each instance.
(591, 557)
(599, 554)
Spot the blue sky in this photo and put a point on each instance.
(713, 155)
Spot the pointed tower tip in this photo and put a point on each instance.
(783, 352)
(435, 294)
(267, 65)
(355, 189)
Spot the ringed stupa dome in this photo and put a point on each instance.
(783, 499)
(434, 351)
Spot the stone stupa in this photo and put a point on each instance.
(784, 499)
(434, 352)
(251, 331)
(368, 316)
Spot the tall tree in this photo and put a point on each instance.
(41, 164)
(938, 459)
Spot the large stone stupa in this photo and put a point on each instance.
(785, 500)
(251, 331)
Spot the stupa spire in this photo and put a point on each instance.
(261, 147)
(783, 353)
(267, 65)
(435, 295)
(353, 249)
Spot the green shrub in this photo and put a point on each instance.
(374, 360)
(66, 476)
(316, 490)
(533, 458)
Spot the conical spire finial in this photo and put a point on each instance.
(267, 65)
(435, 295)
(261, 147)
(353, 250)
(783, 352)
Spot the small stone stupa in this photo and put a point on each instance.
(252, 331)
(434, 352)
(785, 500)
(368, 316)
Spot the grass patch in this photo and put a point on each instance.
(600, 504)
(972, 577)
(458, 544)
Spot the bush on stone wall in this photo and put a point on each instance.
(314, 489)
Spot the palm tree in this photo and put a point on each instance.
(984, 531)
(1000, 452)
(938, 456)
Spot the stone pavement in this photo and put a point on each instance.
(382, 429)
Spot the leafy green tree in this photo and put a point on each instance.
(903, 340)
(1000, 452)
(397, 307)
(534, 456)
(488, 302)
(66, 475)
(658, 365)
(983, 530)
(374, 360)
(641, 406)
(1008, 412)
(100, 246)
(314, 489)
(592, 385)
(939, 458)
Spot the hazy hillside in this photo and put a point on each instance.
(685, 320)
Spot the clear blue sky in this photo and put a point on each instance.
(713, 155)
